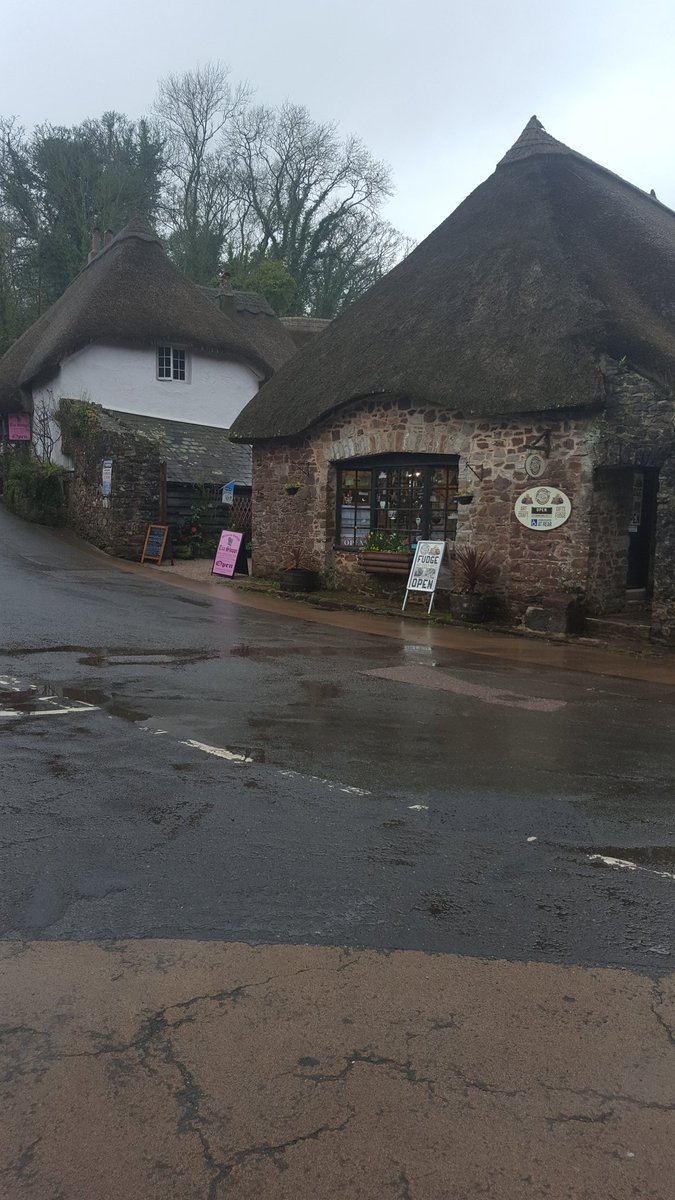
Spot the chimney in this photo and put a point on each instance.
(226, 298)
(107, 238)
(95, 244)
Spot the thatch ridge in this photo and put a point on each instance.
(507, 307)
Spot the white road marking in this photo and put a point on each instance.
(59, 711)
(217, 751)
(418, 807)
(626, 865)
(329, 783)
(532, 839)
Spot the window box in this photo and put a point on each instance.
(385, 562)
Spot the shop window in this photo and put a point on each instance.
(415, 498)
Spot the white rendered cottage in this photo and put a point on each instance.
(134, 335)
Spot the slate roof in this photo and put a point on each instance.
(130, 293)
(506, 308)
(193, 453)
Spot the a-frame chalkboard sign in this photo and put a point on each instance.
(155, 545)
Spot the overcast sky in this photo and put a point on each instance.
(439, 89)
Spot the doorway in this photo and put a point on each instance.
(641, 533)
(622, 538)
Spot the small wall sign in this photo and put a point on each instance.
(106, 477)
(543, 508)
(535, 465)
(227, 554)
(425, 570)
(18, 427)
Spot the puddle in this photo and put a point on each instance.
(144, 658)
(258, 653)
(21, 699)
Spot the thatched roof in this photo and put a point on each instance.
(131, 294)
(304, 329)
(505, 308)
(259, 322)
(193, 453)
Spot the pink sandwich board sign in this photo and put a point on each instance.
(18, 427)
(227, 553)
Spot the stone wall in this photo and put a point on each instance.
(533, 568)
(116, 523)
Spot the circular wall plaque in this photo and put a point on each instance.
(543, 508)
(535, 465)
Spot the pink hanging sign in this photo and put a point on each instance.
(18, 427)
(227, 553)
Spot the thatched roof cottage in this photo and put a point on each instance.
(530, 339)
(169, 366)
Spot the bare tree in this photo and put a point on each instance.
(44, 434)
(311, 201)
(196, 111)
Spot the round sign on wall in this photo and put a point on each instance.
(543, 508)
(535, 465)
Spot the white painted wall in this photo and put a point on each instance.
(126, 379)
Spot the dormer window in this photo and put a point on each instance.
(172, 363)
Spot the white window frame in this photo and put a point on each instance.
(174, 350)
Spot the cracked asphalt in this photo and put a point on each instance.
(324, 907)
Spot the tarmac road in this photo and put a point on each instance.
(291, 908)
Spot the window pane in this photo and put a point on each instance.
(164, 362)
(354, 491)
(179, 364)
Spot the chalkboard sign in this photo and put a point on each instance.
(155, 543)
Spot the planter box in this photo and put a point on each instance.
(299, 579)
(469, 607)
(385, 562)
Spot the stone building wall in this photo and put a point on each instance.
(592, 455)
(533, 568)
(118, 526)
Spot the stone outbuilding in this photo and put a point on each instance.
(522, 354)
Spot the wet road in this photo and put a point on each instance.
(177, 766)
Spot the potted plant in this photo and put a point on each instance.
(296, 576)
(472, 570)
(292, 488)
(385, 553)
(464, 496)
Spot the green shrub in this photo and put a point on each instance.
(36, 491)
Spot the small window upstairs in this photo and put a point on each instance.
(172, 363)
